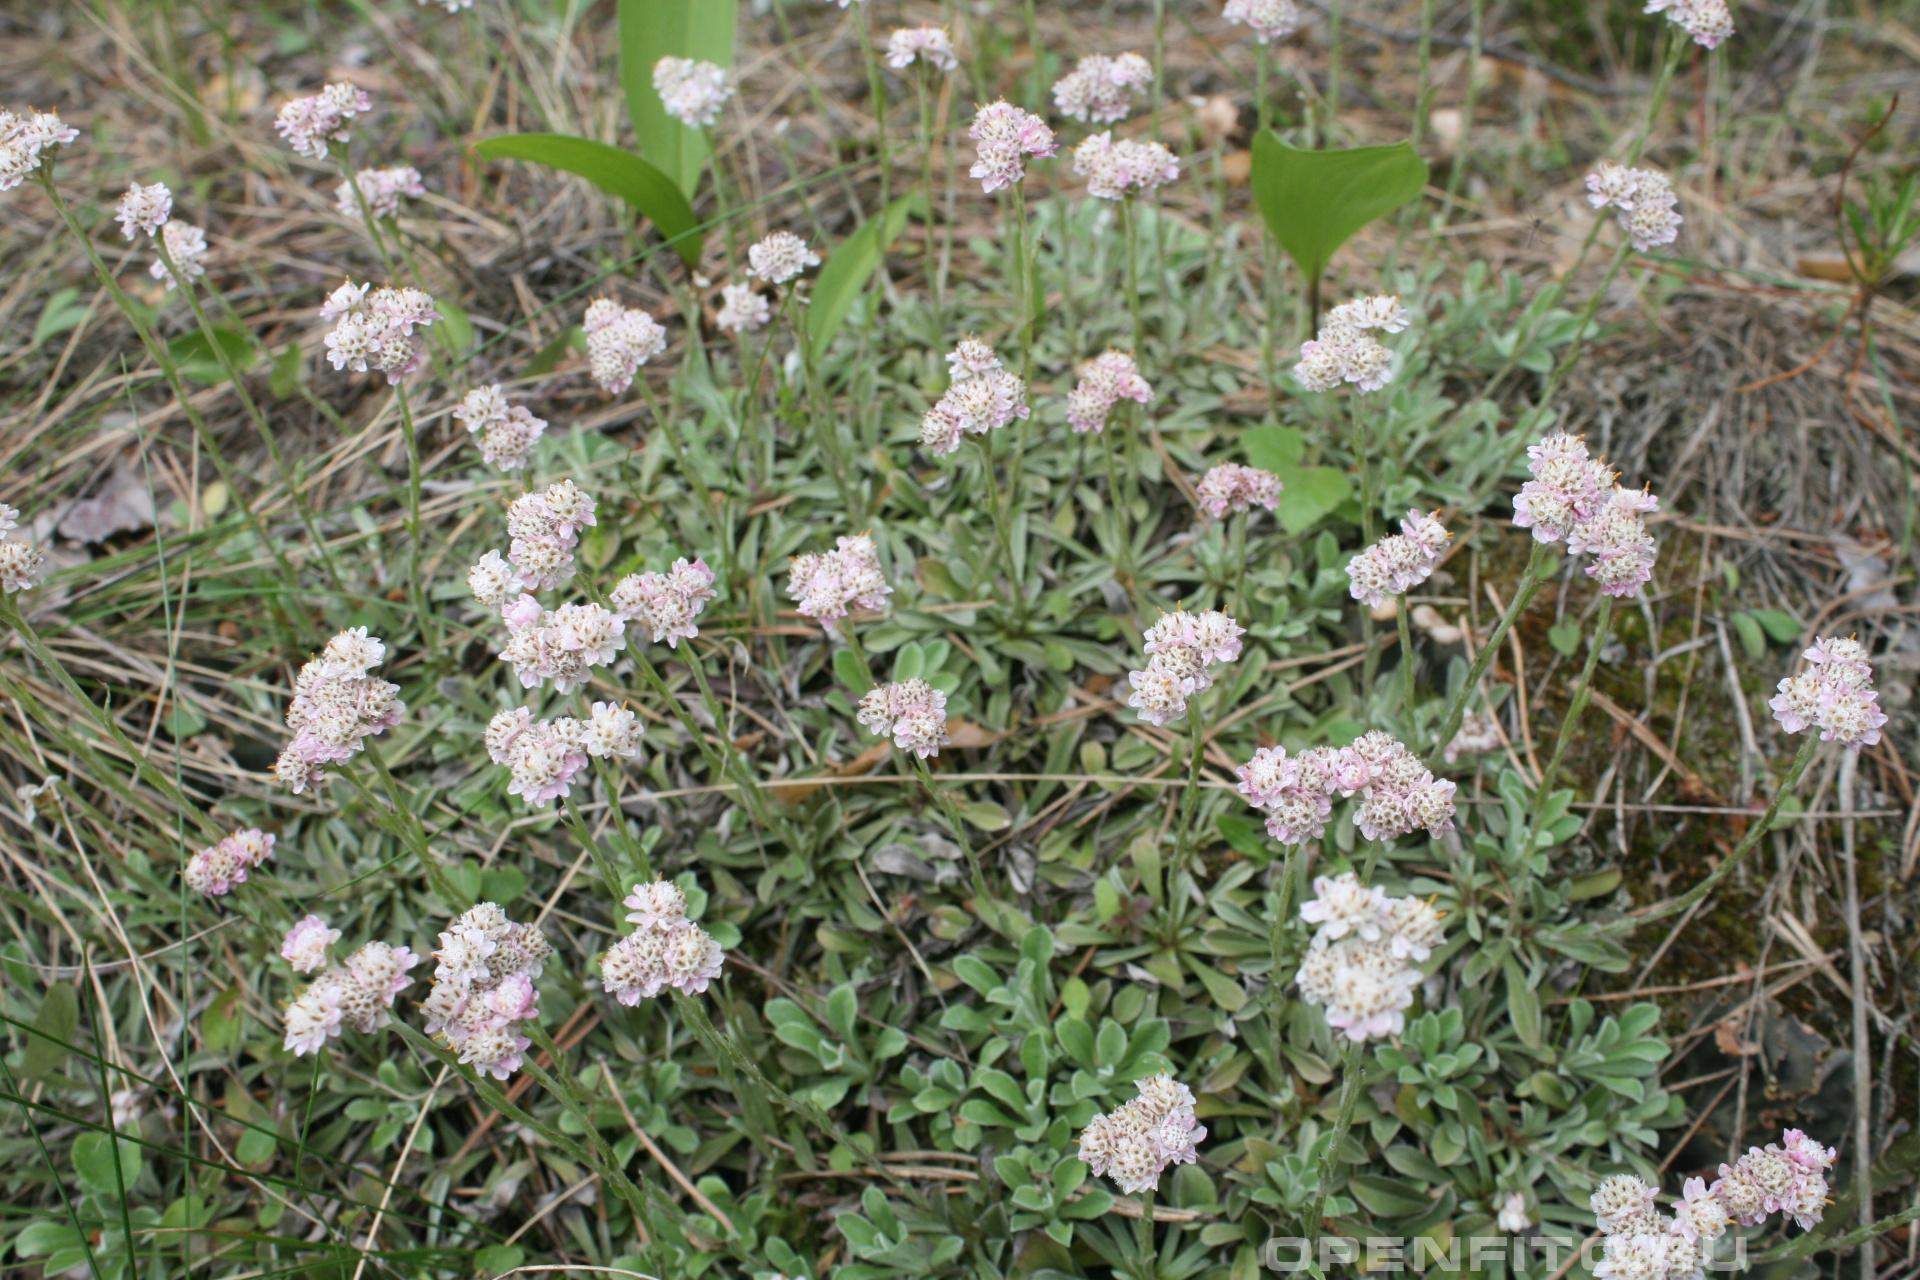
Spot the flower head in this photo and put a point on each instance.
(912, 711)
(665, 950)
(26, 141)
(356, 995)
(144, 209)
(932, 47)
(692, 91)
(1268, 20)
(1004, 136)
(1642, 201)
(1708, 22)
(1397, 563)
(1117, 170)
(741, 309)
(216, 869)
(1104, 382)
(1138, 1140)
(620, 340)
(1180, 648)
(306, 944)
(827, 585)
(337, 704)
(378, 330)
(1833, 692)
(1100, 89)
(666, 604)
(483, 987)
(1346, 349)
(1229, 488)
(780, 257)
(381, 189)
(1567, 487)
(310, 124)
(21, 563)
(1362, 963)
(506, 432)
(187, 245)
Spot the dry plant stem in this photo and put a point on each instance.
(1581, 693)
(1810, 742)
(1540, 566)
(1342, 1121)
(171, 373)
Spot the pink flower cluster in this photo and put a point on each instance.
(1398, 562)
(337, 704)
(378, 330)
(144, 209)
(1181, 649)
(560, 645)
(1232, 488)
(665, 950)
(913, 711)
(741, 309)
(544, 756)
(1833, 692)
(1100, 89)
(1004, 136)
(215, 869)
(21, 563)
(692, 91)
(544, 527)
(1642, 201)
(1573, 496)
(1398, 794)
(186, 244)
(357, 994)
(1707, 21)
(780, 257)
(826, 585)
(381, 189)
(24, 142)
(620, 340)
(1138, 1140)
(1789, 1179)
(1117, 170)
(667, 604)
(309, 124)
(982, 397)
(505, 431)
(483, 986)
(1363, 963)
(1267, 19)
(930, 46)
(1346, 348)
(306, 945)
(1105, 381)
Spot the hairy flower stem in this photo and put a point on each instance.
(1240, 563)
(951, 812)
(1020, 287)
(412, 832)
(416, 538)
(1262, 109)
(609, 875)
(1406, 666)
(1540, 566)
(722, 205)
(170, 372)
(1277, 977)
(611, 781)
(827, 425)
(1581, 692)
(344, 164)
(1685, 901)
(1189, 802)
(718, 761)
(877, 91)
(930, 264)
(556, 1083)
(1118, 505)
(742, 768)
(692, 476)
(1146, 1260)
(1368, 523)
(1350, 1073)
(1000, 510)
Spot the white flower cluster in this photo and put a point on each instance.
(506, 432)
(544, 756)
(826, 585)
(337, 704)
(144, 209)
(483, 985)
(912, 711)
(357, 995)
(982, 396)
(1115, 170)
(667, 604)
(543, 528)
(25, 141)
(21, 563)
(1346, 348)
(187, 245)
(692, 91)
(1181, 648)
(561, 645)
(1640, 1242)
(930, 46)
(377, 330)
(1104, 381)
(1398, 794)
(1100, 90)
(306, 945)
(780, 257)
(1573, 496)
(1707, 21)
(1363, 963)
(1138, 1140)
(1834, 692)
(1642, 201)
(741, 309)
(1267, 19)
(620, 340)
(310, 124)
(1230, 488)
(665, 949)
(381, 189)
(1004, 136)
(1398, 562)
(215, 869)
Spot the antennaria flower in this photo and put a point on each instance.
(826, 585)
(337, 704)
(692, 91)
(912, 711)
(26, 141)
(1834, 692)
(544, 528)
(1181, 647)
(1346, 348)
(187, 246)
(1115, 170)
(309, 124)
(1230, 488)
(306, 944)
(983, 396)
(1004, 136)
(379, 330)
(1267, 19)
(381, 188)
(562, 645)
(1399, 562)
(1363, 963)
(356, 995)
(144, 209)
(21, 563)
(1642, 201)
(741, 309)
(506, 432)
(666, 604)
(216, 869)
(1138, 1140)
(1708, 21)
(620, 340)
(483, 987)
(665, 950)
(780, 257)
(1100, 89)
(930, 46)
(1104, 382)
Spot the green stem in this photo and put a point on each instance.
(999, 509)
(609, 874)
(1147, 1258)
(1406, 667)
(1540, 566)
(1240, 563)
(951, 812)
(1581, 692)
(877, 90)
(1277, 976)
(1350, 1073)
(416, 560)
(1190, 802)
(413, 833)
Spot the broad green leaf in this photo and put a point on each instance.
(93, 1160)
(56, 1022)
(654, 29)
(197, 359)
(1274, 448)
(618, 173)
(1313, 201)
(1310, 494)
(848, 269)
(63, 311)
(1564, 637)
